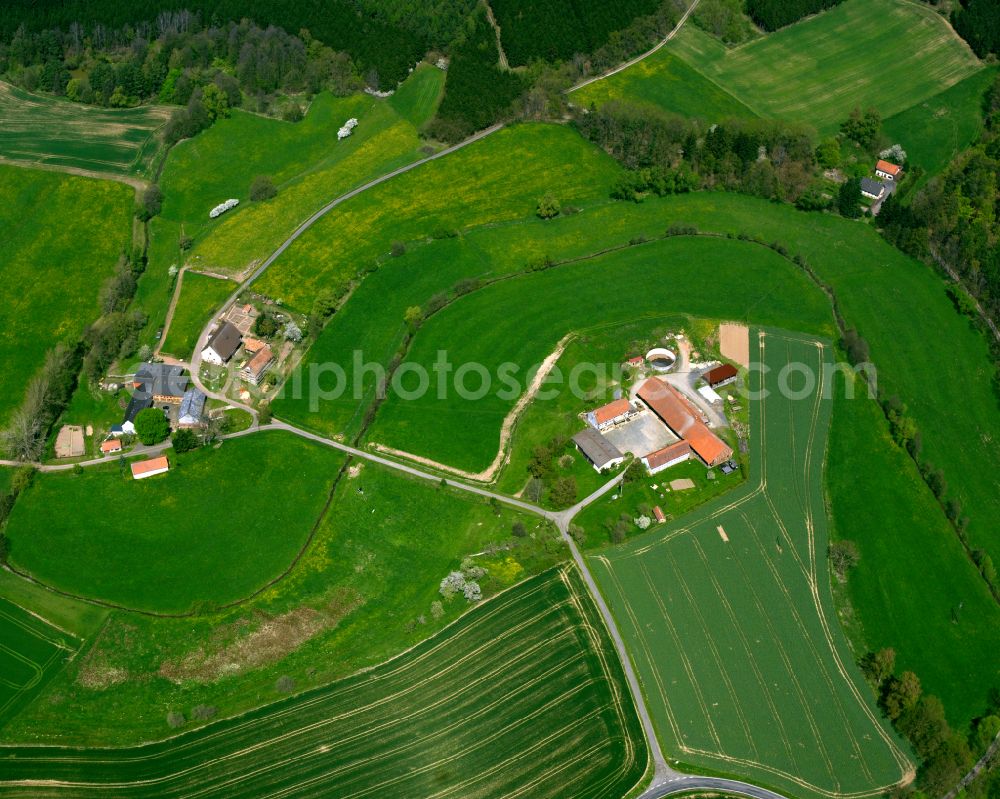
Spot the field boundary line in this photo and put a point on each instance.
(641, 56)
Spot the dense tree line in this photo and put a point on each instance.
(180, 60)
(945, 754)
(774, 14)
(667, 154)
(477, 90)
(978, 22)
(954, 218)
(382, 50)
(438, 22)
(559, 29)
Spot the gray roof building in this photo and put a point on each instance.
(223, 343)
(192, 408)
(872, 188)
(153, 380)
(597, 449)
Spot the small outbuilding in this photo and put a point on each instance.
(144, 469)
(601, 453)
(721, 376)
(658, 515)
(611, 414)
(667, 457)
(888, 170)
(111, 445)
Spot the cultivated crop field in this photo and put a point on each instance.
(31, 650)
(728, 615)
(886, 54)
(62, 237)
(200, 297)
(524, 697)
(49, 131)
(208, 532)
(362, 592)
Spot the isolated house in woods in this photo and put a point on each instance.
(667, 457)
(721, 376)
(873, 189)
(601, 453)
(677, 414)
(222, 345)
(611, 414)
(144, 469)
(887, 170)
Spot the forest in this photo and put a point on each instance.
(978, 22)
(671, 154)
(478, 91)
(559, 29)
(774, 14)
(384, 52)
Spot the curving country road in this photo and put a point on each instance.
(666, 781)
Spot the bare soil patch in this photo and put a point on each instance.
(734, 342)
(251, 643)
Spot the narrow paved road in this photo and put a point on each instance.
(666, 780)
(638, 58)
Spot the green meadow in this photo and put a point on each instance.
(495, 180)
(200, 297)
(668, 82)
(520, 321)
(913, 589)
(862, 53)
(525, 691)
(62, 237)
(875, 284)
(54, 132)
(207, 533)
(936, 130)
(362, 592)
(306, 161)
(771, 690)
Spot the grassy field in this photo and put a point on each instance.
(770, 690)
(62, 237)
(207, 533)
(31, 652)
(45, 130)
(418, 98)
(879, 502)
(883, 53)
(873, 282)
(523, 697)
(201, 296)
(495, 180)
(668, 82)
(934, 131)
(361, 593)
(307, 163)
(663, 279)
